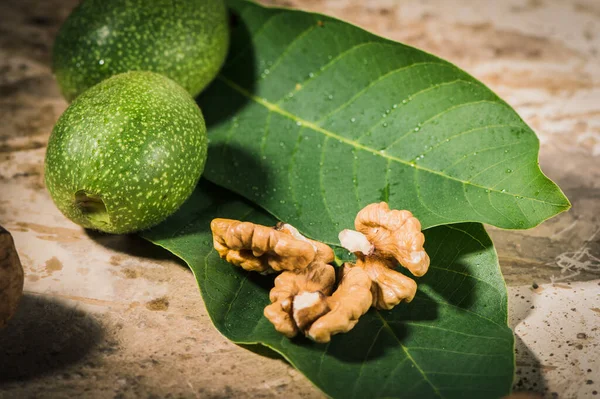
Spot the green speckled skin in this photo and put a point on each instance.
(185, 40)
(137, 141)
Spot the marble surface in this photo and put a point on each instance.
(113, 316)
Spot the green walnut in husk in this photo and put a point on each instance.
(186, 40)
(126, 153)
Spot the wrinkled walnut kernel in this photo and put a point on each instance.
(286, 312)
(324, 252)
(389, 287)
(349, 302)
(395, 236)
(300, 301)
(260, 248)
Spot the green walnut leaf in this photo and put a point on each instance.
(312, 118)
(452, 341)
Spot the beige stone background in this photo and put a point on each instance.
(114, 317)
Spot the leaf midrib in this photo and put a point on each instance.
(304, 123)
(408, 355)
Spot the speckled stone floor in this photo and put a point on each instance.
(106, 316)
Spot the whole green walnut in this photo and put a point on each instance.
(186, 40)
(126, 153)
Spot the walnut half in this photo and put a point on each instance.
(265, 249)
(299, 298)
(394, 234)
(383, 238)
(301, 301)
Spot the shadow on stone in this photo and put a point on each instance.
(133, 245)
(528, 377)
(44, 336)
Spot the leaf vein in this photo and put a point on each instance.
(419, 369)
(466, 274)
(439, 114)
(362, 366)
(410, 323)
(290, 45)
(378, 80)
(458, 353)
(326, 66)
(427, 89)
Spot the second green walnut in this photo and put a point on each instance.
(186, 40)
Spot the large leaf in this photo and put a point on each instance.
(313, 118)
(451, 341)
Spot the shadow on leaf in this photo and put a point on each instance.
(456, 263)
(263, 351)
(234, 160)
(388, 328)
(216, 103)
(457, 290)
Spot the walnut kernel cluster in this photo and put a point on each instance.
(305, 298)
